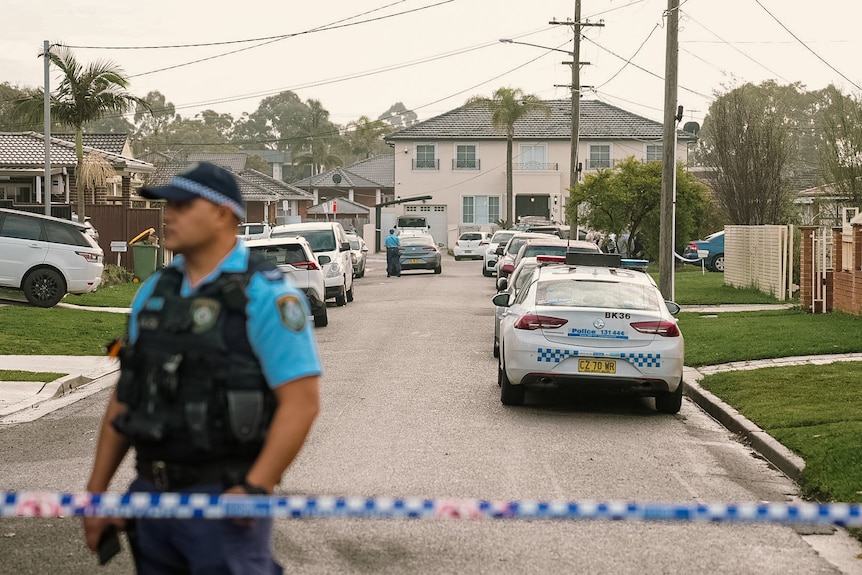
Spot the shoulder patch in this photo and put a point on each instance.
(291, 312)
(273, 275)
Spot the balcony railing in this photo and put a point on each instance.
(426, 164)
(466, 164)
(534, 166)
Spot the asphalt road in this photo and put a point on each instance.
(411, 408)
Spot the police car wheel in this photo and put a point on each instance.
(510, 394)
(669, 401)
(485, 272)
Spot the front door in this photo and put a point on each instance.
(532, 205)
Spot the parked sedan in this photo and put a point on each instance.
(471, 245)
(598, 327)
(489, 258)
(550, 246)
(511, 285)
(507, 252)
(420, 252)
(709, 251)
(358, 254)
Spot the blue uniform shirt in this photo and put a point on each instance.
(392, 241)
(284, 346)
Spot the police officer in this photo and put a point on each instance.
(393, 255)
(218, 387)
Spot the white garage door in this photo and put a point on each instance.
(435, 216)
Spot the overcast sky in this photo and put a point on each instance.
(438, 52)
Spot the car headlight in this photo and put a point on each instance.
(334, 269)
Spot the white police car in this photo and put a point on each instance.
(592, 323)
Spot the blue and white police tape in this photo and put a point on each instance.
(187, 505)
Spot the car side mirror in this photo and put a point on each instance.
(673, 307)
(502, 283)
(501, 300)
(500, 250)
(345, 246)
(323, 260)
(364, 250)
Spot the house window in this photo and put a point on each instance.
(426, 157)
(465, 157)
(600, 156)
(532, 157)
(654, 153)
(480, 209)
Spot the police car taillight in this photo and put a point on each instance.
(306, 266)
(531, 322)
(662, 328)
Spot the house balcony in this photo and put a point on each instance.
(426, 164)
(475, 164)
(534, 167)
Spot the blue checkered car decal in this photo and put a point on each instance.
(549, 355)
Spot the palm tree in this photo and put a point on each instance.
(85, 94)
(367, 134)
(507, 106)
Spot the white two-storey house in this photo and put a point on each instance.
(459, 159)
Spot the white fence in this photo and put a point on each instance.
(759, 257)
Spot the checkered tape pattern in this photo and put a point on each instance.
(552, 355)
(177, 505)
(208, 193)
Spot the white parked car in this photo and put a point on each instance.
(47, 257)
(489, 258)
(329, 243)
(253, 231)
(471, 245)
(294, 257)
(358, 254)
(594, 325)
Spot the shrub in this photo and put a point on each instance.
(115, 275)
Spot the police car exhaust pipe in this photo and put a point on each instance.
(546, 380)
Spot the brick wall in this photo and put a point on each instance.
(846, 288)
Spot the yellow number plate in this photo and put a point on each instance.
(597, 365)
(414, 262)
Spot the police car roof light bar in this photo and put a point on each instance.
(594, 260)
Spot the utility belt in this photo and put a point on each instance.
(391, 247)
(170, 476)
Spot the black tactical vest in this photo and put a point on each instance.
(194, 389)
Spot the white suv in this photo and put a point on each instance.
(329, 243)
(294, 257)
(47, 257)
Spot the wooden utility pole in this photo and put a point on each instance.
(576, 102)
(668, 169)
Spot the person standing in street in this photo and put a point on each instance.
(393, 254)
(218, 385)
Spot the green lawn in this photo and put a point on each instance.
(692, 287)
(114, 296)
(735, 336)
(814, 410)
(57, 331)
(18, 375)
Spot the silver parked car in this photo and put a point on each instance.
(420, 252)
(358, 253)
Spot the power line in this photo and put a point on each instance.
(627, 62)
(804, 45)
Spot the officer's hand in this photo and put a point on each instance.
(239, 521)
(94, 526)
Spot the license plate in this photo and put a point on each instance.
(468, 251)
(414, 261)
(597, 365)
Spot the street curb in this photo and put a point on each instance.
(57, 388)
(770, 448)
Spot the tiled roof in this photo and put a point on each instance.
(271, 156)
(114, 143)
(598, 120)
(234, 161)
(325, 180)
(253, 185)
(379, 168)
(27, 150)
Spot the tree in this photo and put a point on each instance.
(627, 198)
(507, 106)
(319, 134)
(85, 94)
(749, 140)
(398, 116)
(152, 118)
(10, 120)
(841, 153)
(366, 136)
(276, 120)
